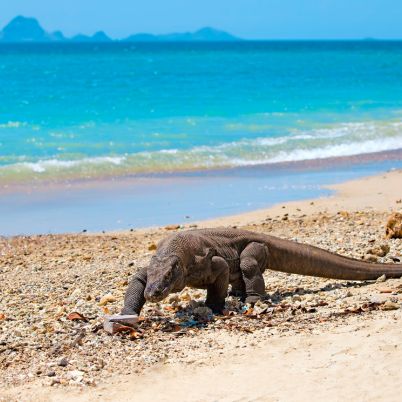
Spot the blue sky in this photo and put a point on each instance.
(259, 19)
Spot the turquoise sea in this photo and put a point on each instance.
(83, 111)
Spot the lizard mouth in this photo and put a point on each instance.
(157, 295)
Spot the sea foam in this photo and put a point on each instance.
(345, 139)
(42, 166)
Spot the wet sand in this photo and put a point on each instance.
(134, 202)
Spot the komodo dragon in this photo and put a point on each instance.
(214, 258)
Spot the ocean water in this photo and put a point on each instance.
(90, 111)
(132, 135)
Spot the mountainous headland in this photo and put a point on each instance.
(28, 30)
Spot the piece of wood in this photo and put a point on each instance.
(116, 323)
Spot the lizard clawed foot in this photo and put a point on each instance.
(217, 309)
(238, 293)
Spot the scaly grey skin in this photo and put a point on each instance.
(214, 258)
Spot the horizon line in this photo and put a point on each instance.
(123, 41)
(235, 37)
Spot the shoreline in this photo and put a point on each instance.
(41, 184)
(380, 192)
(134, 203)
(352, 195)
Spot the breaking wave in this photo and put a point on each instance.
(345, 139)
(44, 165)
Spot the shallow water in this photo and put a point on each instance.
(166, 199)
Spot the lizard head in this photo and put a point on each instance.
(162, 276)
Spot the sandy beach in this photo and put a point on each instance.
(315, 338)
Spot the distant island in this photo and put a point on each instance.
(28, 30)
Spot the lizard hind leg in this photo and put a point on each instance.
(218, 289)
(253, 262)
(238, 288)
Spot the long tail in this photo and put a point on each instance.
(302, 259)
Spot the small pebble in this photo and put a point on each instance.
(388, 305)
(63, 362)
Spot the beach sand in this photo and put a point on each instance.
(317, 338)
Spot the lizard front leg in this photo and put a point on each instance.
(134, 298)
(253, 261)
(217, 290)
